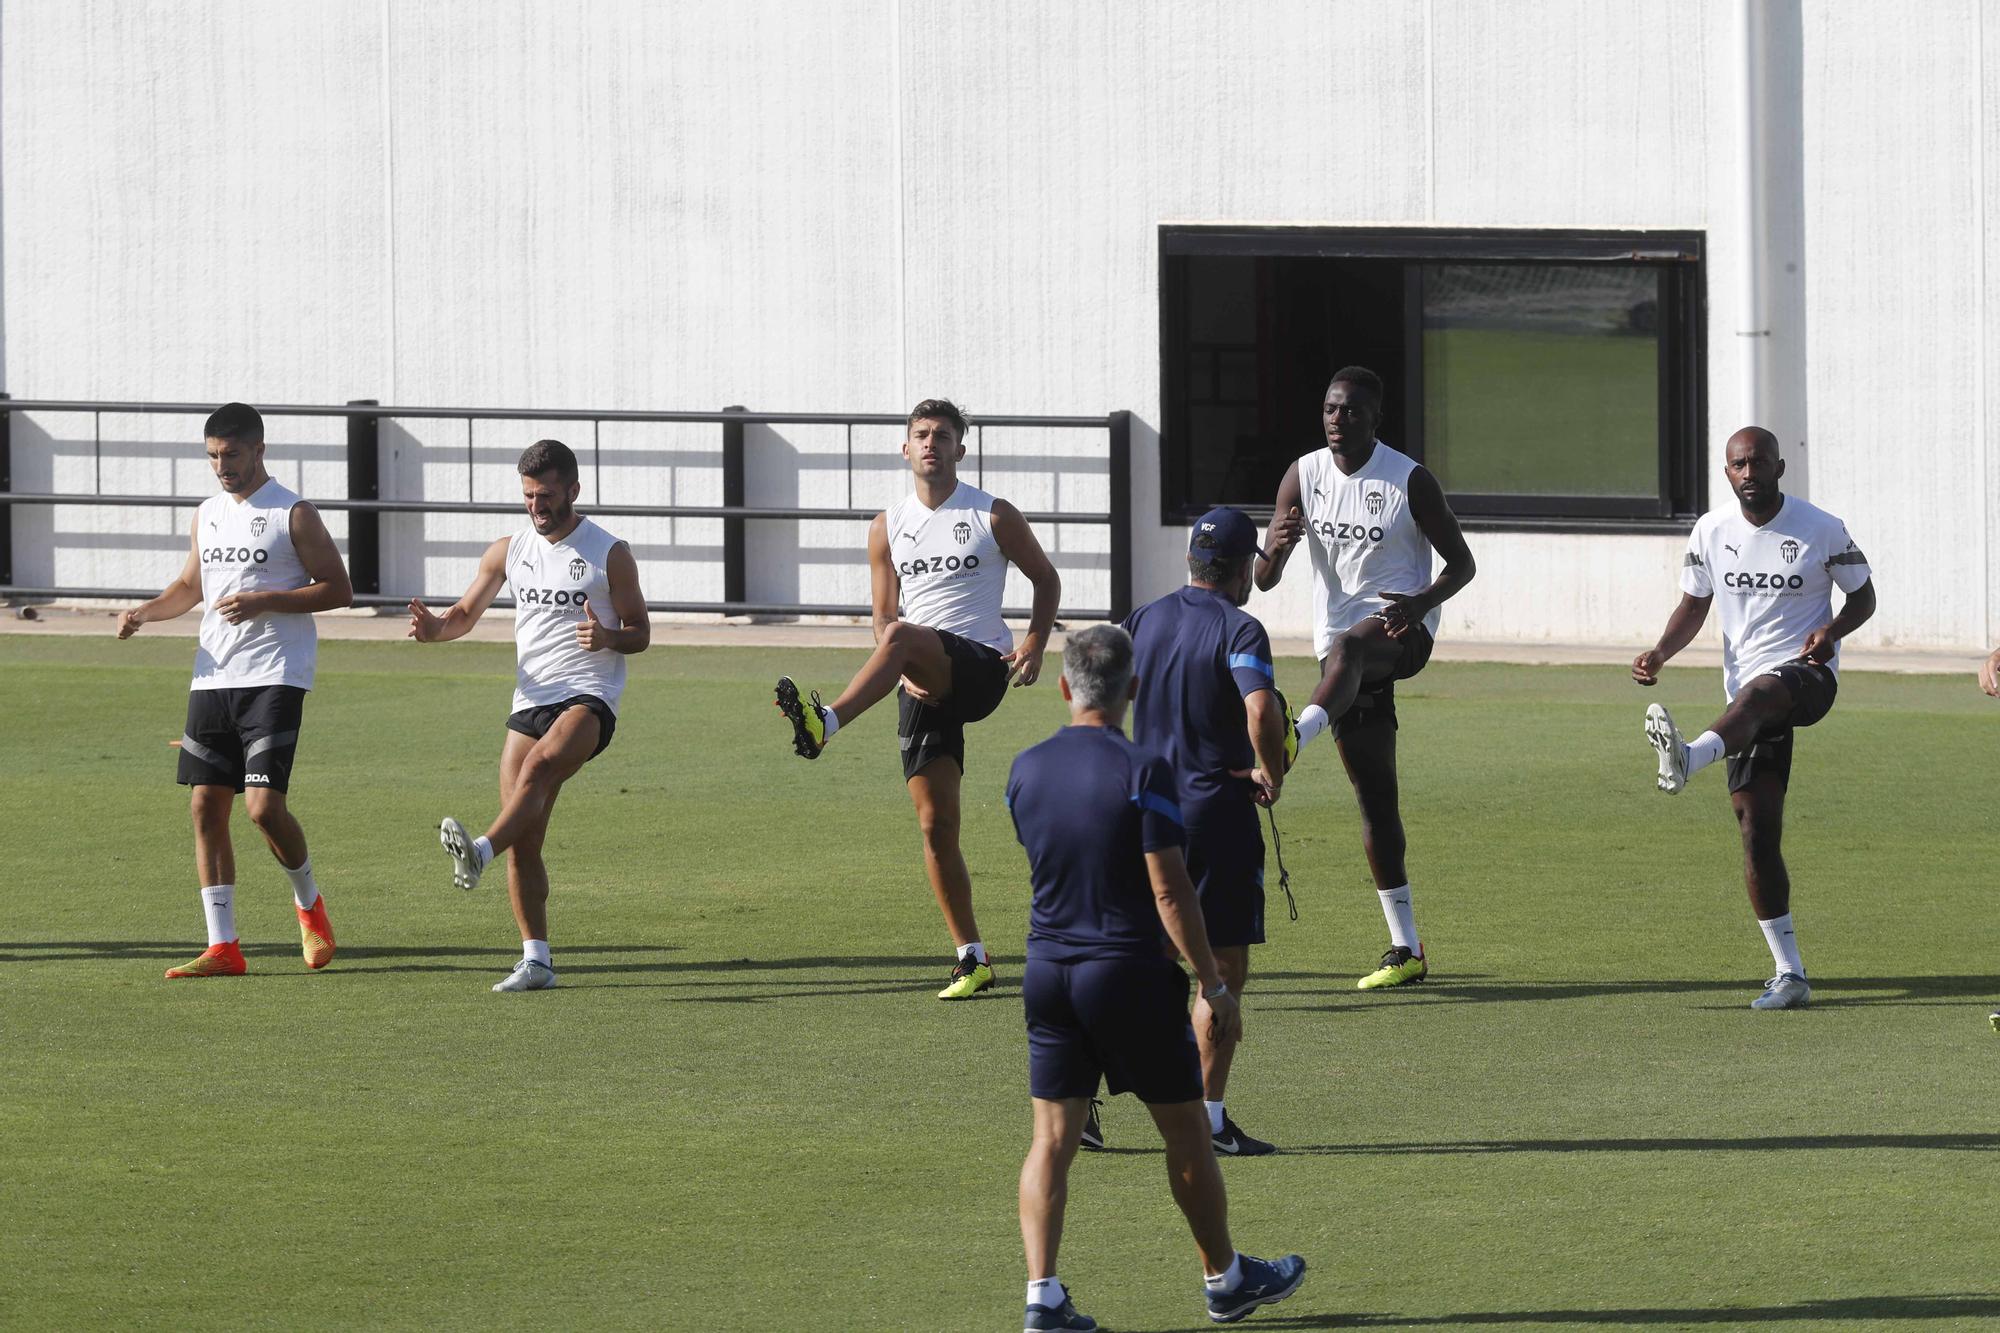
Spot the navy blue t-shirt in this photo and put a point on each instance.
(1198, 657)
(1088, 805)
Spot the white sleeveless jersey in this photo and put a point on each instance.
(551, 582)
(952, 574)
(1363, 539)
(246, 546)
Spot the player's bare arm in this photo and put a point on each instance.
(885, 590)
(1683, 623)
(1989, 674)
(621, 570)
(328, 591)
(1266, 718)
(177, 598)
(1016, 541)
(1180, 914)
(1853, 614)
(1288, 527)
(428, 627)
(1440, 528)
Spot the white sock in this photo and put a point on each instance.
(1703, 750)
(304, 892)
(832, 725)
(1402, 918)
(1784, 944)
(536, 951)
(1214, 1117)
(1311, 723)
(218, 904)
(1229, 1280)
(482, 850)
(1046, 1291)
(976, 949)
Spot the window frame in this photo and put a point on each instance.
(1683, 356)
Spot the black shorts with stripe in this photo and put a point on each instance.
(242, 738)
(1813, 687)
(937, 731)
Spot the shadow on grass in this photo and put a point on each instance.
(1829, 993)
(613, 960)
(1842, 1311)
(1766, 1143)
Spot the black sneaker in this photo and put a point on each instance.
(1093, 1133)
(1233, 1142)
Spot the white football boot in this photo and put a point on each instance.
(1787, 990)
(1666, 738)
(465, 863)
(527, 975)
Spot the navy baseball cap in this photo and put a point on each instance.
(1224, 533)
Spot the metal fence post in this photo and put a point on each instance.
(1120, 424)
(364, 482)
(735, 584)
(6, 484)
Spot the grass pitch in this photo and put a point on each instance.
(743, 1109)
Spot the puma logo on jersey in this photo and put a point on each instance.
(911, 535)
(1727, 547)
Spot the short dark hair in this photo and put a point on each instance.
(1214, 573)
(237, 423)
(1362, 378)
(940, 409)
(548, 456)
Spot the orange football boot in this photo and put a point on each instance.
(315, 934)
(217, 960)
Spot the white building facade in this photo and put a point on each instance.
(848, 206)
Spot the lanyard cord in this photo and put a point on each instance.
(1284, 875)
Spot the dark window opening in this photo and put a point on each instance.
(1547, 379)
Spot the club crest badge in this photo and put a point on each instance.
(576, 570)
(1789, 549)
(961, 532)
(1376, 502)
(258, 524)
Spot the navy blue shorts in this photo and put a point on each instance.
(1225, 859)
(1122, 1019)
(1813, 688)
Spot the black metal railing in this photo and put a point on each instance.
(364, 503)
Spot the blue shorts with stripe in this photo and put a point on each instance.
(242, 738)
(1122, 1018)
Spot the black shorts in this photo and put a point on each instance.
(1376, 703)
(935, 731)
(1123, 1019)
(537, 721)
(1813, 689)
(1225, 859)
(242, 738)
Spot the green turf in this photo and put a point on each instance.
(743, 1109)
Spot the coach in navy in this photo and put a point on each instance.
(1212, 709)
(1101, 821)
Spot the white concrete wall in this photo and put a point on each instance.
(847, 206)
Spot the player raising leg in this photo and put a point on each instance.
(569, 574)
(938, 564)
(1775, 561)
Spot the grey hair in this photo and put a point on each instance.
(1098, 663)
